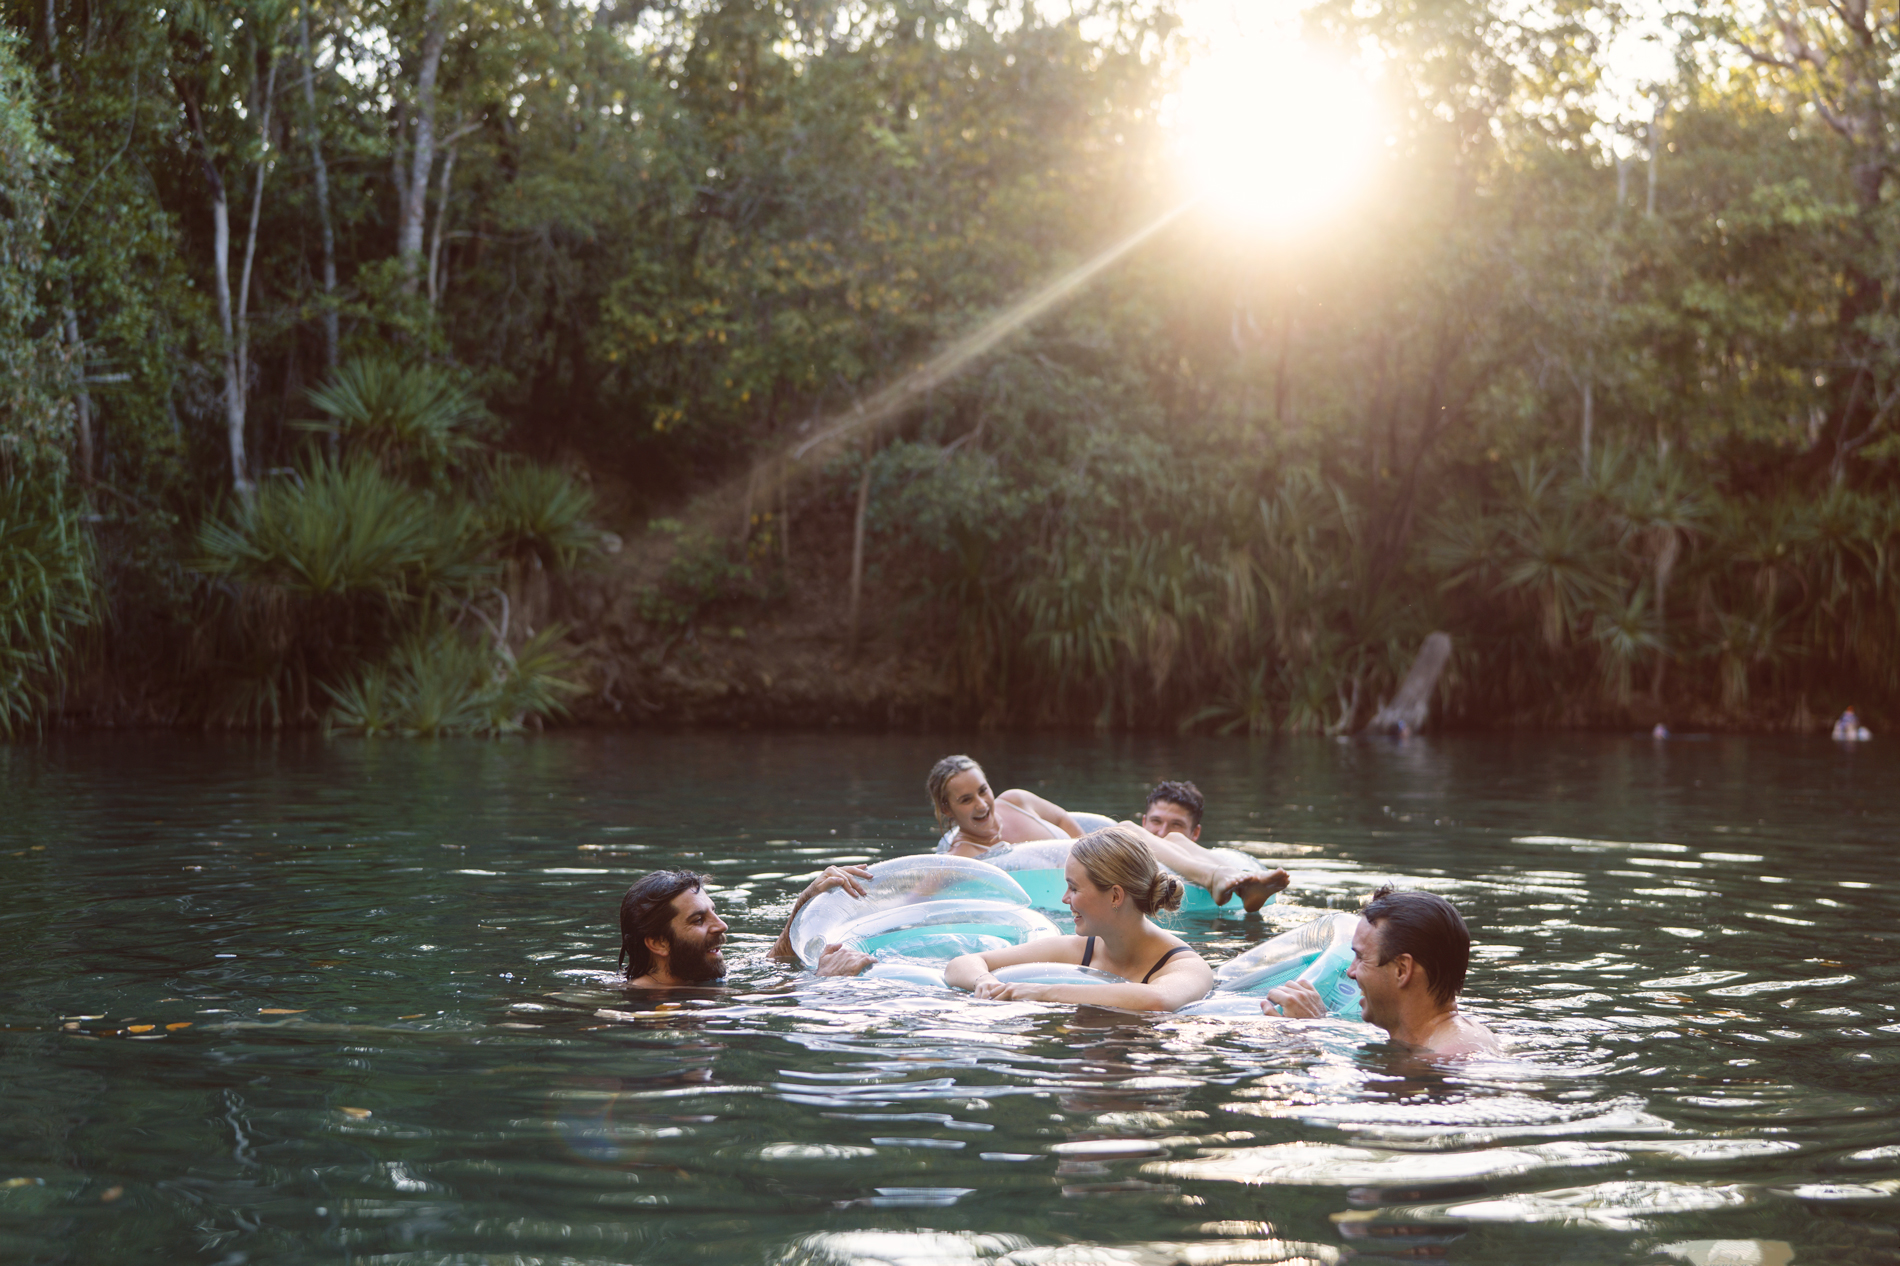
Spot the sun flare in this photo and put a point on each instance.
(1274, 133)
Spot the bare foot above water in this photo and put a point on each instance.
(1254, 887)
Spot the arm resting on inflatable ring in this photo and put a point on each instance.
(850, 878)
(967, 971)
(1184, 979)
(1048, 810)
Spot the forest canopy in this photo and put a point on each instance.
(342, 339)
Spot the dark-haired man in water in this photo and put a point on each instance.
(1409, 955)
(1175, 808)
(672, 936)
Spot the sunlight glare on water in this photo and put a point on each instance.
(294, 999)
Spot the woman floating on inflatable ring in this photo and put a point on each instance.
(1114, 885)
(961, 797)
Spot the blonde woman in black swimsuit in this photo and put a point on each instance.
(1114, 885)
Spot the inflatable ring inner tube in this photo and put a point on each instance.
(932, 907)
(1055, 974)
(1038, 865)
(1318, 953)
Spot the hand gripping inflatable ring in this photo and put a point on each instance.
(931, 908)
(1318, 953)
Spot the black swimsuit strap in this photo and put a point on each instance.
(1179, 949)
(1088, 952)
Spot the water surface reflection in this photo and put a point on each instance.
(272, 1001)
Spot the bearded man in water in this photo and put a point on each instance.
(961, 796)
(672, 936)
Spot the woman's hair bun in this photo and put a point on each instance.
(1165, 892)
(1116, 855)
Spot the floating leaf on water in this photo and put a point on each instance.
(181, 1024)
(140, 1028)
(281, 1011)
(356, 1114)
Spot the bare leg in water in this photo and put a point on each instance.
(1199, 866)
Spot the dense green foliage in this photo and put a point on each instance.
(46, 565)
(1614, 405)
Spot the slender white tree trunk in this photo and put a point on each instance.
(436, 281)
(415, 195)
(233, 378)
(221, 265)
(52, 42)
(320, 177)
(82, 400)
(1655, 156)
(1589, 413)
(250, 237)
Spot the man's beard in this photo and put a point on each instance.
(696, 963)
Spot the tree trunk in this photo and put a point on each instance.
(221, 261)
(441, 220)
(415, 195)
(1589, 414)
(1409, 708)
(1667, 549)
(784, 516)
(857, 551)
(82, 400)
(320, 177)
(250, 236)
(52, 42)
(1655, 157)
(1856, 410)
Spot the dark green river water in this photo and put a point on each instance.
(303, 1001)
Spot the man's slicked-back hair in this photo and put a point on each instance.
(647, 910)
(1183, 793)
(1427, 927)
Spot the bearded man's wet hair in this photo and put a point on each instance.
(1427, 927)
(647, 910)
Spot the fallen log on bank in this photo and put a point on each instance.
(1406, 712)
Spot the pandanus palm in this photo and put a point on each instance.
(414, 419)
(1624, 632)
(1559, 562)
(1663, 512)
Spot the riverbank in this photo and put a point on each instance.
(731, 606)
